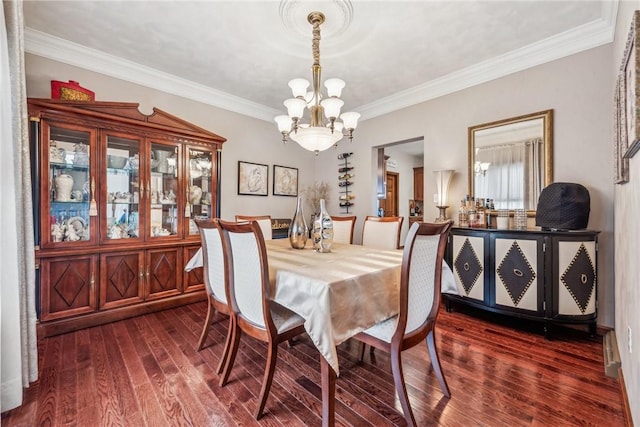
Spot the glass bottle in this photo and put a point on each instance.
(463, 217)
(298, 230)
(323, 230)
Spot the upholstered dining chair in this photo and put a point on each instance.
(420, 281)
(214, 280)
(252, 309)
(382, 232)
(263, 220)
(343, 228)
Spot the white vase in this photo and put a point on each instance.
(161, 157)
(323, 230)
(195, 195)
(63, 184)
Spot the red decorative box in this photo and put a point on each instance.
(71, 91)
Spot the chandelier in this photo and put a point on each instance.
(316, 135)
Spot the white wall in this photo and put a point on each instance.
(627, 247)
(577, 88)
(248, 139)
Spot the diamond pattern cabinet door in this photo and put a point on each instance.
(519, 278)
(194, 279)
(163, 273)
(67, 286)
(468, 266)
(575, 278)
(122, 279)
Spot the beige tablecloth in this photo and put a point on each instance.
(339, 293)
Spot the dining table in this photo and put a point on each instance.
(339, 294)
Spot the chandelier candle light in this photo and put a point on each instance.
(316, 136)
(443, 179)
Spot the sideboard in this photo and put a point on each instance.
(546, 276)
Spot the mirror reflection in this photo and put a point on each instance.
(510, 160)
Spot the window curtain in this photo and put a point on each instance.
(18, 345)
(533, 172)
(505, 176)
(512, 178)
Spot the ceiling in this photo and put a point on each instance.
(240, 55)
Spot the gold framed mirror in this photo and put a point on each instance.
(511, 160)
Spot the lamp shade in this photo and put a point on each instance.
(295, 107)
(443, 179)
(299, 87)
(332, 107)
(284, 123)
(334, 87)
(350, 119)
(316, 138)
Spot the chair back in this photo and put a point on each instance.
(213, 258)
(421, 277)
(382, 232)
(343, 228)
(247, 281)
(263, 220)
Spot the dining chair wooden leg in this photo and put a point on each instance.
(231, 357)
(401, 388)
(362, 347)
(227, 345)
(272, 357)
(435, 362)
(207, 324)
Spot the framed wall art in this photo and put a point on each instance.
(630, 89)
(253, 179)
(285, 181)
(620, 163)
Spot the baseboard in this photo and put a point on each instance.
(626, 409)
(611, 354)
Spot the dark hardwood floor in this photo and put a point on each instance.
(145, 371)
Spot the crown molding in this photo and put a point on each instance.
(584, 37)
(55, 48)
(587, 36)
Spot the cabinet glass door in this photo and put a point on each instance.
(71, 187)
(200, 187)
(164, 190)
(122, 204)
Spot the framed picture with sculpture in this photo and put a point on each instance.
(285, 181)
(630, 92)
(253, 179)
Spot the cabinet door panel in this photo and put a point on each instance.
(121, 279)
(166, 190)
(576, 278)
(67, 286)
(194, 279)
(67, 186)
(200, 192)
(120, 188)
(468, 266)
(163, 273)
(518, 283)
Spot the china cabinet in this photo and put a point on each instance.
(116, 195)
(547, 276)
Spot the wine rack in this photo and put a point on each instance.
(345, 181)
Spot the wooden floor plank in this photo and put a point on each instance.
(145, 371)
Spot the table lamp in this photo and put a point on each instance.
(443, 179)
